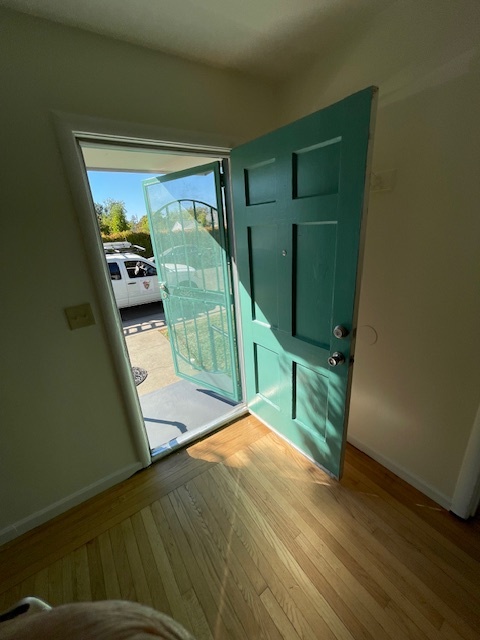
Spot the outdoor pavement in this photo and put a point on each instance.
(147, 347)
(173, 413)
(173, 409)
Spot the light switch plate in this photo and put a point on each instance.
(80, 316)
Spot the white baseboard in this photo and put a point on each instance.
(404, 474)
(44, 515)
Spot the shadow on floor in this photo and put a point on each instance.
(178, 409)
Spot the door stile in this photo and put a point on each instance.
(360, 260)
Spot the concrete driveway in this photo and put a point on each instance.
(147, 347)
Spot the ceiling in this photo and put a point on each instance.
(106, 157)
(269, 38)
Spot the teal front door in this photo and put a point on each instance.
(186, 220)
(298, 197)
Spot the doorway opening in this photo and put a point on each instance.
(165, 237)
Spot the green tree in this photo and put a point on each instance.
(112, 216)
(202, 218)
(142, 225)
(116, 215)
(101, 218)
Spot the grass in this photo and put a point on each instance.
(201, 341)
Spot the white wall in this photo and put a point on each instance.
(63, 425)
(415, 391)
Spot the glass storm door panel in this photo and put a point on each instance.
(185, 214)
(298, 197)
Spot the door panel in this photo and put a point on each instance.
(314, 255)
(262, 244)
(298, 197)
(185, 211)
(310, 409)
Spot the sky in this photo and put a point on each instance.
(120, 185)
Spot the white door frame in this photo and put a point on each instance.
(71, 128)
(466, 498)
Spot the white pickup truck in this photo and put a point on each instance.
(134, 278)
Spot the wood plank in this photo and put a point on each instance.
(55, 583)
(158, 596)
(430, 581)
(242, 593)
(365, 607)
(41, 584)
(460, 567)
(287, 592)
(195, 612)
(404, 578)
(464, 535)
(277, 512)
(203, 589)
(226, 540)
(67, 578)
(11, 596)
(215, 586)
(27, 587)
(136, 566)
(332, 624)
(81, 576)
(112, 586)
(122, 565)
(240, 536)
(65, 533)
(95, 569)
(322, 515)
(176, 606)
(278, 616)
(171, 549)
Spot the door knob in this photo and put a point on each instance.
(336, 358)
(340, 332)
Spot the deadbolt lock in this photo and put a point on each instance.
(340, 331)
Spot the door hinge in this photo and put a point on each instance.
(222, 180)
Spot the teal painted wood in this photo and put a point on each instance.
(191, 253)
(298, 196)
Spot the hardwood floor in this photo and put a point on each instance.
(239, 537)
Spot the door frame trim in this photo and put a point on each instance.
(466, 497)
(70, 129)
(232, 240)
